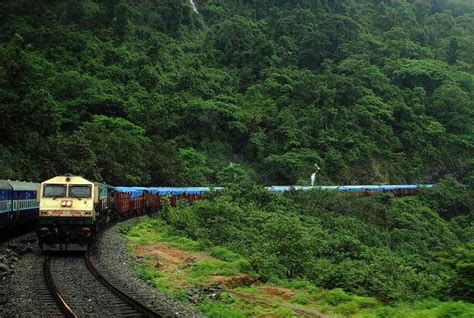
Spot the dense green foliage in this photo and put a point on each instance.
(395, 249)
(151, 92)
(258, 299)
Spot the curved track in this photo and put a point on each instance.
(82, 291)
(64, 307)
(139, 306)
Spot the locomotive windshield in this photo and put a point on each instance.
(79, 191)
(54, 191)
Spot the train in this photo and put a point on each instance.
(73, 210)
(69, 211)
(18, 204)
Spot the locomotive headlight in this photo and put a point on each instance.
(66, 203)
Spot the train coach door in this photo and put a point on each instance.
(14, 211)
(19, 206)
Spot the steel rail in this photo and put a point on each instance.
(65, 308)
(139, 306)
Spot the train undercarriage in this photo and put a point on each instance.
(66, 234)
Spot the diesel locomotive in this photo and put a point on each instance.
(71, 212)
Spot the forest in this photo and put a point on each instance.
(344, 255)
(144, 92)
(244, 93)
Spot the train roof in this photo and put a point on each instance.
(63, 180)
(351, 188)
(18, 185)
(103, 185)
(165, 191)
(173, 191)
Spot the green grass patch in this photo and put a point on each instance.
(215, 309)
(220, 261)
(224, 254)
(421, 309)
(152, 231)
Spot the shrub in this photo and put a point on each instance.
(335, 297)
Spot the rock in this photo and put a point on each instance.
(190, 260)
(4, 268)
(194, 295)
(12, 245)
(25, 249)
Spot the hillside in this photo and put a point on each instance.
(153, 92)
(247, 252)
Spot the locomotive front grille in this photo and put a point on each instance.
(66, 220)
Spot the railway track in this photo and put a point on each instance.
(49, 289)
(80, 290)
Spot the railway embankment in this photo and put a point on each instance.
(20, 262)
(217, 281)
(11, 251)
(113, 260)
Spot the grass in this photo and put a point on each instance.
(151, 231)
(217, 261)
(422, 309)
(277, 298)
(214, 267)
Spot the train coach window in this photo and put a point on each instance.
(79, 191)
(54, 191)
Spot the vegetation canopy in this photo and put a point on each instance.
(340, 254)
(153, 92)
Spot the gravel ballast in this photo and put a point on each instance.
(113, 261)
(21, 274)
(86, 295)
(18, 285)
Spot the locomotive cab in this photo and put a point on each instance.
(69, 213)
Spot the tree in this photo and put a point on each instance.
(195, 171)
(121, 149)
(461, 262)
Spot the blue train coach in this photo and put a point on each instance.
(18, 203)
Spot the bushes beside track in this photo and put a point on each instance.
(394, 249)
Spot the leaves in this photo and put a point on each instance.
(372, 91)
(378, 246)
